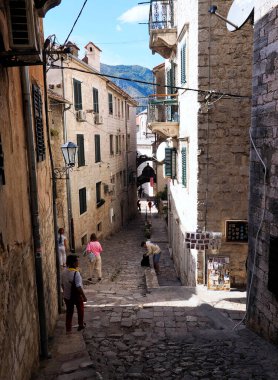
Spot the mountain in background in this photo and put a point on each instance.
(134, 89)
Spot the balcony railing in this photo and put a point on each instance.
(161, 14)
(162, 29)
(163, 115)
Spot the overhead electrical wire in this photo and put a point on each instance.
(214, 93)
(75, 21)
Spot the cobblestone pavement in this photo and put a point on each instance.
(139, 327)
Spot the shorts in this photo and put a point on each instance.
(156, 258)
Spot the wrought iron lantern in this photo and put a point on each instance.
(69, 153)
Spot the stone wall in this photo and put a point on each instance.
(225, 65)
(19, 317)
(263, 204)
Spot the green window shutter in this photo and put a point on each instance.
(37, 107)
(183, 63)
(97, 148)
(95, 100)
(77, 94)
(183, 160)
(80, 151)
(82, 200)
(170, 162)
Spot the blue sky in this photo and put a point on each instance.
(110, 24)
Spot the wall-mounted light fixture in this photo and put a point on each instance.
(69, 150)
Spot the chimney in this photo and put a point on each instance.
(92, 56)
(73, 48)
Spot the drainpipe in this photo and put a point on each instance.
(54, 188)
(68, 184)
(34, 206)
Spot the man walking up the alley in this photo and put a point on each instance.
(152, 249)
(73, 293)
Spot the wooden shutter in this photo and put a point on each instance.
(80, 151)
(98, 192)
(82, 200)
(170, 162)
(38, 120)
(183, 166)
(2, 173)
(95, 100)
(110, 104)
(97, 148)
(183, 63)
(77, 95)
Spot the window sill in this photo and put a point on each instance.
(100, 203)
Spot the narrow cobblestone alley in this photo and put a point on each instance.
(141, 327)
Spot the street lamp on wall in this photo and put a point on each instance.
(69, 150)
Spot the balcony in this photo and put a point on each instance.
(162, 29)
(163, 115)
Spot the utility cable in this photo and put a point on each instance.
(258, 231)
(75, 22)
(151, 83)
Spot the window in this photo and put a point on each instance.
(128, 142)
(98, 192)
(123, 143)
(97, 148)
(117, 144)
(122, 108)
(171, 79)
(110, 104)
(120, 144)
(2, 173)
(77, 94)
(84, 240)
(82, 201)
(115, 105)
(99, 227)
(80, 150)
(95, 100)
(119, 108)
(183, 63)
(183, 166)
(170, 162)
(111, 145)
(127, 112)
(37, 106)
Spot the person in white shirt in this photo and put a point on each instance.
(153, 249)
(62, 246)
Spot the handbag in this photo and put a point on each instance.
(91, 257)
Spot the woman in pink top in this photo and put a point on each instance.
(93, 251)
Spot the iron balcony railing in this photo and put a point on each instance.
(163, 109)
(161, 14)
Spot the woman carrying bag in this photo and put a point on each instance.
(93, 251)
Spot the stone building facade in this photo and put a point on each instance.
(262, 304)
(208, 191)
(28, 286)
(101, 189)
